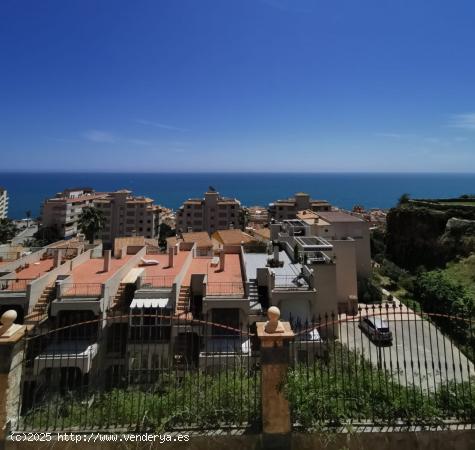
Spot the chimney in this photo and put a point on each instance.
(274, 231)
(57, 257)
(171, 252)
(221, 260)
(107, 260)
(276, 253)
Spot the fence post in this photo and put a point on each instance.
(11, 363)
(276, 424)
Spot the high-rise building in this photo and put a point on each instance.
(125, 214)
(210, 213)
(3, 203)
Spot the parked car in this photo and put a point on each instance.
(377, 329)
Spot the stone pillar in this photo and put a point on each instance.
(222, 259)
(107, 260)
(11, 364)
(171, 253)
(58, 256)
(276, 422)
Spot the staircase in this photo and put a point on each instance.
(40, 310)
(119, 296)
(253, 290)
(183, 303)
(257, 295)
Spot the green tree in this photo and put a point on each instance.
(164, 231)
(8, 230)
(404, 198)
(45, 236)
(243, 218)
(91, 221)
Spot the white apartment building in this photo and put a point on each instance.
(210, 213)
(3, 203)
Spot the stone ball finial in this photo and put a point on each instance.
(273, 314)
(7, 319)
(273, 324)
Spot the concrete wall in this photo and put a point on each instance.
(346, 280)
(112, 284)
(28, 259)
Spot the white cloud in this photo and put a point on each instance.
(465, 121)
(159, 125)
(99, 136)
(390, 135)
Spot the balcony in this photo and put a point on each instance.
(291, 282)
(81, 290)
(15, 285)
(225, 289)
(157, 282)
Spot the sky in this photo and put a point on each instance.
(237, 85)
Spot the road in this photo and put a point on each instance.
(423, 354)
(25, 234)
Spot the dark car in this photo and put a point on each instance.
(377, 329)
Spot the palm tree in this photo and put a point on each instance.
(28, 217)
(91, 221)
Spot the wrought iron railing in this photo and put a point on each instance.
(81, 290)
(385, 365)
(215, 289)
(159, 281)
(15, 284)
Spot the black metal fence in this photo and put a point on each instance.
(139, 371)
(150, 370)
(387, 365)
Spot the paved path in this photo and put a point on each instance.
(422, 353)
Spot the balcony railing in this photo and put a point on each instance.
(8, 256)
(235, 289)
(71, 290)
(15, 284)
(159, 281)
(291, 282)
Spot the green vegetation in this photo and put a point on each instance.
(349, 388)
(204, 401)
(43, 237)
(164, 231)
(463, 272)
(429, 233)
(91, 221)
(8, 230)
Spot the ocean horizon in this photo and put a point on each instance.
(27, 190)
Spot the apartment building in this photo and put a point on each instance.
(338, 226)
(3, 203)
(140, 312)
(211, 213)
(288, 209)
(125, 214)
(128, 215)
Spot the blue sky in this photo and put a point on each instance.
(237, 85)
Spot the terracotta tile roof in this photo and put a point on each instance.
(232, 237)
(201, 238)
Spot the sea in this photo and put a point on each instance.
(372, 190)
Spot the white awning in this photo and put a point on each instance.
(150, 303)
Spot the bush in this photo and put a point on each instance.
(368, 291)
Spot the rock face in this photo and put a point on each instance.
(428, 235)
